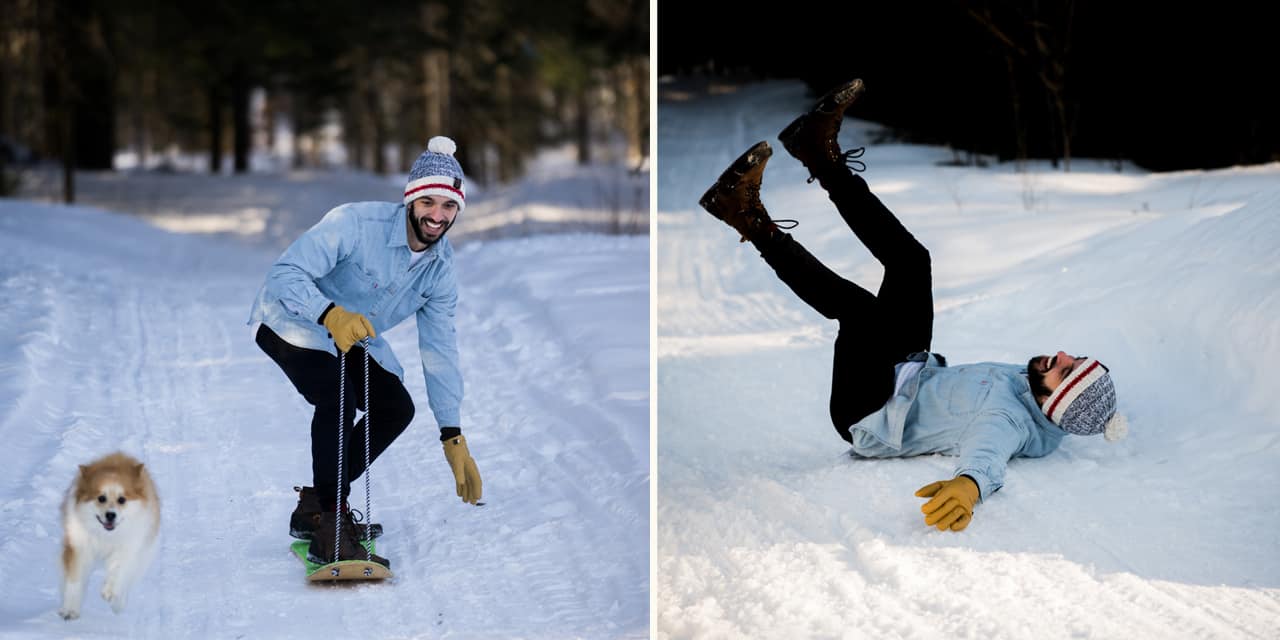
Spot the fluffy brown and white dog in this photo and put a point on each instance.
(111, 515)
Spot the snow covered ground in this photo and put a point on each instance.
(766, 529)
(120, 334)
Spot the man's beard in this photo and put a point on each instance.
(1036, 377)
(417, 229)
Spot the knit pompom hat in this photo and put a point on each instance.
(437, 173)
(1085, 403)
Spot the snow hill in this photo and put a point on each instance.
(766, 529)
(122, 335)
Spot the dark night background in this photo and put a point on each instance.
(1167, 87)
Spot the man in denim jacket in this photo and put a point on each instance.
(890, 397)
(363, 269)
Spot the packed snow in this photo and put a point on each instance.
(767, 529)
(125, 329)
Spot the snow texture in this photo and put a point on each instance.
(766, 529)
(121, 335)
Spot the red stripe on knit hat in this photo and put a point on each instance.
(1070, 384)
(435, 185)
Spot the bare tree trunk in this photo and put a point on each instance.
(92, 72)
(295, 124)
(408, 152)
(373, 104)
(582, 121)
(270, 108)
(144, 87)
(436, 87)
(508, 161)
(4, 97)
(68, 135)
(66, 119)
(215, 129)
(353, 129)
(640, 87)
(241, 128)
(56, 33)
(1019, 128)
(435, 92)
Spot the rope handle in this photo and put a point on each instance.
(368, 500)
(342, 469)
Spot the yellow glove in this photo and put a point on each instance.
(465, 473)
(347, 328)
(952, 503)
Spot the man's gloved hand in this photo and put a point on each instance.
(952, 503)
(465, 473)
(347, 327)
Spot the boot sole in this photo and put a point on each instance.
(842, 96)
(322, 561)
(758, 154)
(300, 534)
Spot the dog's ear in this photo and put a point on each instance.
(138, 470)
(84, 468)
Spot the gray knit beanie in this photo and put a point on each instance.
(1084, 403)
(437, 173)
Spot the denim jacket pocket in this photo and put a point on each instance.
(967, 393)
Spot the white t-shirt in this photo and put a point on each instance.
(415, 256)
(905, 371)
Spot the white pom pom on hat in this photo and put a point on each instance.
(1117, 428)
(442, 144)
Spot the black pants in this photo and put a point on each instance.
(876, 331)
(315, 375)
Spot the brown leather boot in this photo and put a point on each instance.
(322, 543)
(811, 138)
(306, 517)
(735, 197)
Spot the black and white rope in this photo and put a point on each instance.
(368, 501)
(342, 475)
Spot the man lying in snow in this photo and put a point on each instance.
(889, 396)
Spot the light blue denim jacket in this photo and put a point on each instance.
(357, 256)
(983, 413)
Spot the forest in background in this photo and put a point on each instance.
(82, 80)
(1165, 86)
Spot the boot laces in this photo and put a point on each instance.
(849, 159)
(761, 221)
(354, 516)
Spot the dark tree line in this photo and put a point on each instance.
(83, 79)
(1168, 86)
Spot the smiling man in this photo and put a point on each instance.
(891, 397)
(363, 269)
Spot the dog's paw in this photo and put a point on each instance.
(69, 613)
(113, 597)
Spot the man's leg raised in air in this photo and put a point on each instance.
(862, 373)
(906, 293)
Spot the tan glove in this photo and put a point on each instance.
(952, 503)
(465, 473)
(347, 327)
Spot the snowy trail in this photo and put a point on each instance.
(125, 336)
(765, 527)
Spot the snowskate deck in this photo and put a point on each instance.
(343, 570)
